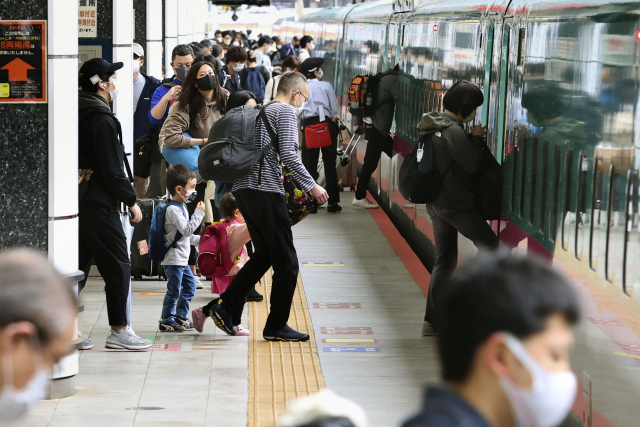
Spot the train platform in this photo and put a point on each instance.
(357, 295)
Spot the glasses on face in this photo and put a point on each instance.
(304, 98)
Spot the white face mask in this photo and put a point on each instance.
(219, 39)
(227, 41)
(301, 108)
(113, 94)
(190, 195)
(238, 67)
(469, 119)
(236, 43)
(548, 401)
(364, 51)
(268, 51)
(16, 403)
(136, 66)
(319, 74)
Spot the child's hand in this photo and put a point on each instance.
(200, 206)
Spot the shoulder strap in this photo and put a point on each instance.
(446, 170)
(272, 135)
(174, 203)
(178, 235)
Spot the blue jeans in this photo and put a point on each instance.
(181, 287)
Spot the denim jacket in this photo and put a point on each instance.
(444, 408)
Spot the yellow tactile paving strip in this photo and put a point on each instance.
(280, 372)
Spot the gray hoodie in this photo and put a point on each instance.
(465, 153)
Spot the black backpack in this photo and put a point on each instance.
(488, 187)
(231, 151)
(420, 181)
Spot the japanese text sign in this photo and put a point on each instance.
(23, 65)
(88, 18)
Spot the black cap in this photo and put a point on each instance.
(94, 70)
(310, 65)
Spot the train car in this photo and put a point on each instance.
(560, 80)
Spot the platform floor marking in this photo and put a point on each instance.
(351, 350)
(349, 340)
(152, 293)
(280, 372)
(323, 264)
(334, 305)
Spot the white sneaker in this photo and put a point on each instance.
(199, 284)
(87, 343)
(127, 340)
(364, 204)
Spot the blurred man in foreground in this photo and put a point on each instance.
(37, 316)
(505, 330)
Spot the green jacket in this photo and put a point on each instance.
(464, 154)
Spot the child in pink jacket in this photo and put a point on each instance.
(237, 237)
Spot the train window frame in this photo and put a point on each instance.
(631, 176)
(514, 174)
(553, 220)
(566, 196)
(523, 175)
(522, 37)
(594, 204)
(534, 182)
(545, 183)
(613, 176)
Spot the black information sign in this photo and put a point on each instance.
(23, 61)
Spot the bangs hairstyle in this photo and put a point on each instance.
(463, 98)
(178, 175)
(191, 100)
(240, 98)
(228, 206)
(291, 62)
(498, 293)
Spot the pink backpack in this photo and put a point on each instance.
(214, 259)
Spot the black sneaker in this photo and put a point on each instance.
(254, 296)
(185, 323)
(170, 326)
(284, 334)
(334, 207)
(221, 318)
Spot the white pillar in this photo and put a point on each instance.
(170, 32)
(153, 60)
(122, 52)
(183, 14)
(62, 87)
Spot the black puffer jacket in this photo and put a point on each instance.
(100, 149)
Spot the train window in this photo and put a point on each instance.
(596, 196)
(581, 209)
(534, 181)
(523, 175)
(543, 188)
(611, 222)
(514, 173)
(521, 51)
(464, 40)
(553, 221)
(567, 216)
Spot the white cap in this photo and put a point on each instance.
(138, 50)
(325, 404)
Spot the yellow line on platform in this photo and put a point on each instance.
(280, 372)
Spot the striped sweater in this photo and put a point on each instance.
(284, 122)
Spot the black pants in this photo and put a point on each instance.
(329, 154)
(447, 223)
(267, 219)
(236, 316)
(377, 143)
(191, 208)
(101, 237)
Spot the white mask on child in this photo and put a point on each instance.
(190, 196)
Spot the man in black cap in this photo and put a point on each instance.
(103, 187)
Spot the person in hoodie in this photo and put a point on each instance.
(457, 157)
(103, 186)
(506, 329)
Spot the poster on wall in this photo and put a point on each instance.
(88, 18)
(23, 65)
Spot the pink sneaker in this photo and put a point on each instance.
(198, 319)
(241, 331)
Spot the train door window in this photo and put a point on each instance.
(553, 221)
(581, 209)
(612, 238)
(598, 216)
(514, 176)
(523, 175)
(534, 181)
(521, 46)
(567, 215)
(543, 186)
(631, 278)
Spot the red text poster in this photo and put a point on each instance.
(23, 61)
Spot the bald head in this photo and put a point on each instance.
(32, 290)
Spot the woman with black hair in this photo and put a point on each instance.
(457, 157)
(199, 106)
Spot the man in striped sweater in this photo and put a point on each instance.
(260, 198)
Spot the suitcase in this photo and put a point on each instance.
(141, 265)
(346, 166)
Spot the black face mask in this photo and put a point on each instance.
(181, 73)
(207, 82)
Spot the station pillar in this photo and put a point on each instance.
(170, 33)
(153, 49)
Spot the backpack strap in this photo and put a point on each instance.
(446, 170)
(272, 136)
(178, 235)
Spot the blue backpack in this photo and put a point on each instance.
(157, 249)
(255, 83)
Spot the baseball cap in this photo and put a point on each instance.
(94, 70)
(138, 50)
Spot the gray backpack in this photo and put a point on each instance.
(232, 151)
